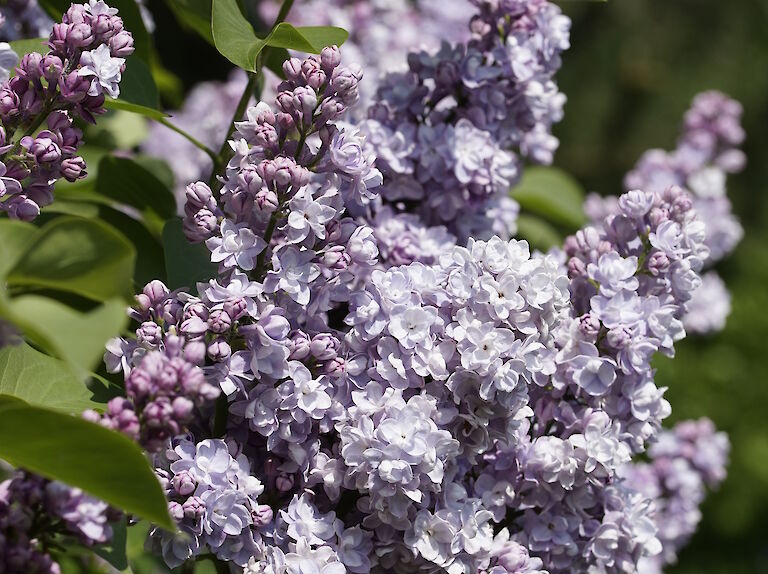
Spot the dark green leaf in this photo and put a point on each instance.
(41, 380)
(15, 236)
(75, 337)
(553, 194)
(233, 35)
(101, 462)
(127, 182)
(540, 234)
(194, 14)
(80, 256)
(186, 263)
(115, 551)
(137, 85)
(310, 39)
(273, 61)
(151, 113)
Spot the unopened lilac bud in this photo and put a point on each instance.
(182, 408)
(155, 291)
(73, 168)
(194, 352)
(184, 483)
(198, 195)
(316, 78)
(336, 258)
(589, 326)
(658, 215)
(332, 109)
(284, 482)
(58, 38)
(324, 346)
(149, 333)
(219, 351)
(284, 121)
(176, 511)
(266, 200)
(344, 82)
(235, 308)
(330, 57)
(292, 69)
(262, 515)
(194, 326)
(299, 346)
(29, 67)
(80, 36)
(171, 311)
(74, 87)
(194, 508)
(196, 309)
(51, 68)
(219, 321)
(45, 149)
(76, 14)
(121, 44)
(657, 263)
(619, 337)
(335, 367)
(576, 268)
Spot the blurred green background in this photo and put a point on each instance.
(632, 70)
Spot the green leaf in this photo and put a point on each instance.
(75, 337)
(114, 552)
(101, 462)
(81, 256)
(186, 263)
(137, 85)
(233, 35)
(150, 113)
(553, 194)
(15, 236)
(540, 234)
(194, 14)
(41, 380)
(127, 182)
(310, 39)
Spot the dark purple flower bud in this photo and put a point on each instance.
(73, 168)
(194, 352)
(194, 508)
(58, 38)
(76, 14)
(300, 346)
(184, 483)
(51, 68)
(330, 57)
(23, 208)
(324, 346)
(219, 321)
(74, 87)
(80, 36)
(171, 311)
(150, 333)
(292, 69)
(235, 308)
(219, 351)
(262, 515)
(45, 148)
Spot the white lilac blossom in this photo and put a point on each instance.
(8, 60)
(85, 61)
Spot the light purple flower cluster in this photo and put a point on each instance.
(706, 152)
(34, 510)
(164, 381)
(21, 19)
(684, 462)
(449, 132)
(85, 62)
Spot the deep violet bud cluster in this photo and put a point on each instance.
(84, 63)
(450, 132)
(706, 153)
(34, 510)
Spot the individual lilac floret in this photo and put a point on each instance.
(85, 62)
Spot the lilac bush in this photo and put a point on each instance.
(376, 375)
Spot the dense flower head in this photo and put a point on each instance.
(33, 510)
(449, 132)
(85, 61)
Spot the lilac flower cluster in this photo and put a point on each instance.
(21, 19)
(33, 510)
(85, 62)
(446, 131)
(683, 463)
(706, 152)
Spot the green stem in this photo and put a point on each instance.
(283, 14)
(197, 143)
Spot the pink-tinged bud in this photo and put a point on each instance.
(121, 44)
(657, 263)
(316, 79)
(51, 68)
(73, 168)
(194, 352)
(184, 483)
(150, 333)
(198, 195)
(194, 508)
(182, 408)
(300, 346)
(176, 511)
(335, 367)
(9, 102)
(58, 38)
(235, 308)
(74, 87)
(324, 346)
(29, 67)
(589, 326)
(336, 258)
(292, 69)
(262, 515)
(219, 321)
(219, 351)
(156, 291)
(330, 57)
